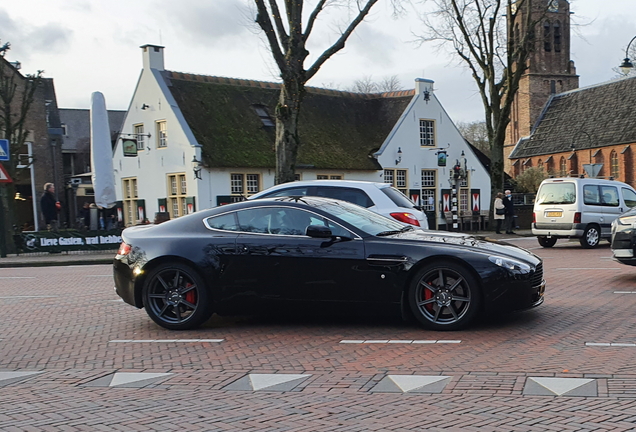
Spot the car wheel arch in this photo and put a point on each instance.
(154, 263)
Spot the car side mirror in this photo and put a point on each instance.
(318, 231)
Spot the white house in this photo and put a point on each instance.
(204, 141)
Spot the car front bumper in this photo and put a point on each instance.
(623, 244)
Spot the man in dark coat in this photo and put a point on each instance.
(49, 207)
(510, 212)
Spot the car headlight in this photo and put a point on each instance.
(510, 264)
(627, 220)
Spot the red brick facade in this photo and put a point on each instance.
(550, 71)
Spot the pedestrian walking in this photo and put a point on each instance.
(509, 213)
(50, 207)
(500, 212)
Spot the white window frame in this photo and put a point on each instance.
(138, 130)
(162, 134)
(427, 133)
(244, 185)
(429, 189)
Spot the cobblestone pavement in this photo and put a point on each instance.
(75, 358)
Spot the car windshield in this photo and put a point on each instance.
(398, 198)
(366, 220)
(557, 193)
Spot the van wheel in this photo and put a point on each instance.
(591, 237)
(547, 242)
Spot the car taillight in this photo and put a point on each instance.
(534, 217)
(577, 217)
(406, 218)
(124, 249)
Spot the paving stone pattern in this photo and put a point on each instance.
(62, 367)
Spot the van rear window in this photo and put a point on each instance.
(556, 193)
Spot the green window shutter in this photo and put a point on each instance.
(191, 204)
(162, 205)
(141, 210)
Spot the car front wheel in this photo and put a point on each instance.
(591, 237)
(175, 297)
(444, 296)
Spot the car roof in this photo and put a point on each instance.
(589, 180)
(337, 183)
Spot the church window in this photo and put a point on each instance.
(547, 43)
(557, 37)
(563, 167)
(614, 164)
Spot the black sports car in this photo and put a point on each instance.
(624, 237)
(318, 254)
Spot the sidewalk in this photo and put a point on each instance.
(106, 257)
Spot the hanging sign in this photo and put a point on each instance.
(441, 158)
(129, 146)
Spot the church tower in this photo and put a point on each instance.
(550, 71)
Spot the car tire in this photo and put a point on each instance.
(591, 237)
(175, 297)
(444, 296)
(547, 242)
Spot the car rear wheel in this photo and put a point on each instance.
(175, 297)
(591, 237)
(444, 296)
(547, 242)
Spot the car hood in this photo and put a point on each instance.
(487, 245)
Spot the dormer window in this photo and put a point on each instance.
(264, 116)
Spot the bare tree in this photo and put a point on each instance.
(287, 33)
(476, 134)
(367, 85)
(390, 83)
(494, 38)
(16, 97)
(364, 85)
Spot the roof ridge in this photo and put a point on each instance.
(211, 79)
(601, 84)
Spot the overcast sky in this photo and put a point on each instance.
(89, 46)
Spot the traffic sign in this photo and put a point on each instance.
(4, 150)
(4, 175)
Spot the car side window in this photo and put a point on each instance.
(336, 230)
(292, 191)
(591, 195)
(609, 195)
(629, 197)
(355, 196)
(225, 222)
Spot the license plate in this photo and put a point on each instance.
(553, 214)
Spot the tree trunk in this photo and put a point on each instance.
(287, 140)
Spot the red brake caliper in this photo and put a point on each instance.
(428, 294)
(191, 296)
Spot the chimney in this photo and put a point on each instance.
(153, 56)
(424, 86)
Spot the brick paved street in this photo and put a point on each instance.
(67, 324)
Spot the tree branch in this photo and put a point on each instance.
(340, 43)
(278, 20)
(262, 18)
(312, 18)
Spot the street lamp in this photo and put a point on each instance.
(627, 64)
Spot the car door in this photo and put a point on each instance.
(294, 266)
(611, 206)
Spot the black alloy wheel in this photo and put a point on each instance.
(444, 296)
(175, 297)
(591, 237)
(547, 242)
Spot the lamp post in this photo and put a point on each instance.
(627, 64)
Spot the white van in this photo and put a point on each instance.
(582, 208)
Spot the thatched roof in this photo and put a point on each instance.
(338, 130)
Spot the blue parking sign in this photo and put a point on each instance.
(4, 150)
